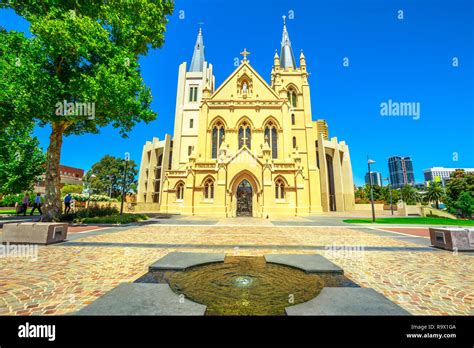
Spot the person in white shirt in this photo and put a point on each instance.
(37, 204)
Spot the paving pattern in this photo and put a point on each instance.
(64, 278)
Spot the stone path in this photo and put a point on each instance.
(63, 278)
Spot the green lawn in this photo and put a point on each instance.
(12, 211)
(413, 220)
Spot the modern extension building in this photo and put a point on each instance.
(400, 171)
(441, 174)
(247, 147)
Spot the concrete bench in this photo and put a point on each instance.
(34, 232)
(452, 238)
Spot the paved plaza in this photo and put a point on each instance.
(398, 262)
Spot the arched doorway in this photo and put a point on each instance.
(244, 196)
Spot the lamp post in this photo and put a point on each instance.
(369, 162)
(390, 191)
(89, 190)
(126, 159)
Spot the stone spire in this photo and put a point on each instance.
(197, 63)
(276, 60)
(287, 59)
(302, 59)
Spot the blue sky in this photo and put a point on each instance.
(407, 60)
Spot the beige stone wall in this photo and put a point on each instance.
(406, 210)
(154, 163)
(368, 207)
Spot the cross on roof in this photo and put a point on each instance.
(245, 53)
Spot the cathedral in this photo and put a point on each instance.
(246, 147)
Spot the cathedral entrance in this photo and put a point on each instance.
(244, 199)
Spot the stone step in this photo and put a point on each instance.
(142, 299)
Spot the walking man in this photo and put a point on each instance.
(37, 204)
(24, 203)
(67, 203)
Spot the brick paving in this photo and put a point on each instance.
(414, 231)
(64, 278)
(81, 228)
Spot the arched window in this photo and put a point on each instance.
(271, 137)
(180, 191)
(294, 142)
(209, 189)
(292, 97)
(244, 135)
(293, 119)
(218, 133)
(280, 189)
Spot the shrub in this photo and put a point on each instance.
(95, 210)
(83, 197)
(10, 199)
(114, 219)
(71, 188)
(67, 217)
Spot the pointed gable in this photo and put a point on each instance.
(244, 83)
(244, 155)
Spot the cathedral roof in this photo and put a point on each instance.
(287, 59)
(197, 63)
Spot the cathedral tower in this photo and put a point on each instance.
(291, 82)
(191, 82)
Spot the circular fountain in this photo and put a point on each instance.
(248, 286)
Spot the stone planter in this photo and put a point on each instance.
(453, 238)
(34, 233)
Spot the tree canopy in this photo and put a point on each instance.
(21, 159)
(410, 195)
(460, 193)
(83, 54)
(106, 176)
(435, 193)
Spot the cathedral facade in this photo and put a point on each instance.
(246, 147)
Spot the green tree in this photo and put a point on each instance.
(410, 195)
(106, 176)
(460, 183)
(386, 195)
(435, 193)
(465, 203)
(377, 192)
(21, 159)
(81, 52)
(71, 188)
(360, 193)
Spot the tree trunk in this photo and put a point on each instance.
(437, 204)
(53, 203)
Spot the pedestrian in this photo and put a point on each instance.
(37, 204)
(18, 208)
(24, 203)
(67, 203)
